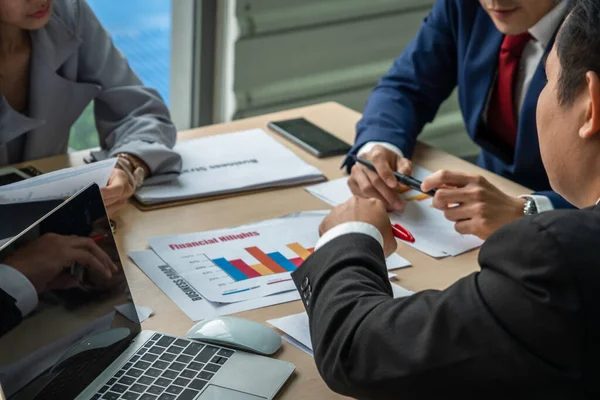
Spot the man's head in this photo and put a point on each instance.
(568, 114)
(513, 17)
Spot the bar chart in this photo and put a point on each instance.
(267, 263)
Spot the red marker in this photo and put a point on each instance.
(402, 233)
(99, 238)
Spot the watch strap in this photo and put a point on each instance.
(126, 167)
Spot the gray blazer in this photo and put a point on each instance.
(74, 62)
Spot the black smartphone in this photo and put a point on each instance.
(10, 175)
(310, 137)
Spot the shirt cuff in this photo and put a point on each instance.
(367, 147)
(542, 203)
(17, 286)
(348, 228)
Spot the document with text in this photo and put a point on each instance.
(248, 262)
(57, 185)
(434, 234)
(229, 163)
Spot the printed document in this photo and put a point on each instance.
(230, 163)
(434, 234)
(57, 185)
(296, 327)
(244, 263)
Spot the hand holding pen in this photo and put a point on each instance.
(380, 182)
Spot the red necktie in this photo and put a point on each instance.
(502, 115)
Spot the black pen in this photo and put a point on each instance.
(405, 180)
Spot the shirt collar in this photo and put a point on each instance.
(546, 27)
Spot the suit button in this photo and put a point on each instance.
(305, 284)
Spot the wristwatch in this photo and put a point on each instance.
(133, 168)
(530, 207)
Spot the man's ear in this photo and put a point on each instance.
(592, 114)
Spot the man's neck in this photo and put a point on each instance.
(12, 39)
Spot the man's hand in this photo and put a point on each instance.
(44, 260)
(370, 211)
(381, 185)
(117, 192)
(478, 207)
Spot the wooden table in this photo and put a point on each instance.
(135, 227)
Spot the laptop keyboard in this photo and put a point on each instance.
(166, 368)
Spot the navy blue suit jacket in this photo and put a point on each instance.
(457, 45)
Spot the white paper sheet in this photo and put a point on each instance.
(296, 327)
(231, 163)
(141, 313)
(244, 263)
(188, 299)
(57, 185)
(434, 234)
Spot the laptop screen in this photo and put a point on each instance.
(65, 308)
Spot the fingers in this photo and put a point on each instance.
(118, 188)
(100, 255)
(465, 227)
(112, 193)
(385, 167)
(366, 183)
(461, 213)
(404, 166)
(63, 282)
(114, 209)
(86, 258)
(449, 178)
(361, 184)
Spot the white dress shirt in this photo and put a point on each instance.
(542, 33)
(16, 285)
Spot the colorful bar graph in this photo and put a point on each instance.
(282, 261)
(297, 261)
(419, 197)
(230, 270)
(245, 269)
(265, 259)
(261, 269)
(300, 250)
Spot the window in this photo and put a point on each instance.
(141, 29)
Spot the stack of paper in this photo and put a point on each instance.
(296, 328)
(233, 270)
(434, 234)
(231, 163)
(57, 185)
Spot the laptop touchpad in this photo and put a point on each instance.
(213, 392)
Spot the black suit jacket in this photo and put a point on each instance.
(526, 326)
(10, 315)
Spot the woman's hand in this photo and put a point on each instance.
(117, 192)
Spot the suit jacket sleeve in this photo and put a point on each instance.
(130, 118)
(409, 95)
(10, 316)
(512, 326)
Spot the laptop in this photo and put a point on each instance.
(83, 339)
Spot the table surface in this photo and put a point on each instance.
(135, 227)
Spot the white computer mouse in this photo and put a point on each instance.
(237, 333)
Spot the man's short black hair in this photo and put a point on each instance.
(578, 48)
